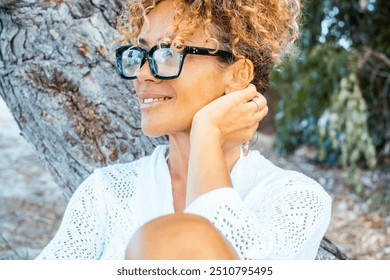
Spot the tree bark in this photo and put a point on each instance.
(329, 251)
(57, 76)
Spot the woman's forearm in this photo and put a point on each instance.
(207, 169)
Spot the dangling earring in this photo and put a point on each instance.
(245, 148)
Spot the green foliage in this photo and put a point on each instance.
(374, 80)
(306, 87)
(364, 23)
(379, 31)
(343, 71)
(361, 23)
(345, 124)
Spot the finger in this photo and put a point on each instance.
(258, 108)
(261, 101)
(247, 93)
(260, 115)
(257, 104)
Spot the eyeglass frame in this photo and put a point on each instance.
(148, 55)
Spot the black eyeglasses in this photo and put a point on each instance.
(164, 63)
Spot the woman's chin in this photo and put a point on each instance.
(152, 131)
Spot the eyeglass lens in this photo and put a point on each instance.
(165, 62)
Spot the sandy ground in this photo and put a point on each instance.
(31, 205)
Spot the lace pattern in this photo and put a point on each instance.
(269, 214)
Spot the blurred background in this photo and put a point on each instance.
(330, 119)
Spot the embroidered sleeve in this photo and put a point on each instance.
(80, 233)
(285, 220)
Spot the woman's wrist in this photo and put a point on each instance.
(203, 129)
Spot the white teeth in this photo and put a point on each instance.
(151, 100)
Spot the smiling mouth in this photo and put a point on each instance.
(152, 100)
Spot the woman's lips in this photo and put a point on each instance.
(148, 100)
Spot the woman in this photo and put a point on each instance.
(205, 195)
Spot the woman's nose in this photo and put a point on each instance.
(145, 73)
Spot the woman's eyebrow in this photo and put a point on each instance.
(143, 42)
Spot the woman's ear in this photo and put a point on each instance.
(239, 75)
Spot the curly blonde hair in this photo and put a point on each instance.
(262, 31)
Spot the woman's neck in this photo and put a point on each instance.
(179, 153)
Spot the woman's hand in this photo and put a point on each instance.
(222, 125)
(233, 117)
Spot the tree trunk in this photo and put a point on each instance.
(57, 76)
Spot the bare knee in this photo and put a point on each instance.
(179, 236)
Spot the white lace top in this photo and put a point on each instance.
(269, 214)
